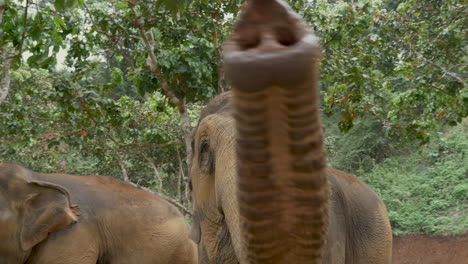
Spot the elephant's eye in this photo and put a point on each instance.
(206, 160)
(205, 147)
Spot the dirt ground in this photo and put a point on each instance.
(423, 249)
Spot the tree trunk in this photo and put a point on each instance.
(5, 75)
(156, 172)
(152, 64)
(7, 55)
(120, 161)
(187, 129)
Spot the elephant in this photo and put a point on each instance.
(260, 185)
(70, 219)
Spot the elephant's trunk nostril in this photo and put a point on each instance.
(270, 45)
(266, 39)
(266, 25)
(286, 37)
(247, 38)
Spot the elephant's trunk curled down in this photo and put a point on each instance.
(272, 61)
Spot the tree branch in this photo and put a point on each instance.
(152, 64)
(180, 177)
(154, 145)
(111, 38)
(156, 172)
(51, 136)
(5, 80)
(132, 65)
(6, 63)
(445, 71)
(2, 9)
(184, 209)
(23, 35)
(119, 160)
(221, 71)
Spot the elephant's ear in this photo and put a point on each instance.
(47, 209)
(195, 233)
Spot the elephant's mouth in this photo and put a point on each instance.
(225, 252)
(223, 248)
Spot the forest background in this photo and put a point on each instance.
(114, 88)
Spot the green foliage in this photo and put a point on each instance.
(366, 145)
(403, 67)
(53, 124)
(35, 27)
(427, 191)
(186, 46)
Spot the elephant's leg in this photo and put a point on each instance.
(378, 247)
(76, 245)
(334, 250)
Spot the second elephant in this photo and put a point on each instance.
(69, 219)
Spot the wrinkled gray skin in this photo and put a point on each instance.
(359, 230)
(68, 219)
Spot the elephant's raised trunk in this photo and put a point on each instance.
(272, 61)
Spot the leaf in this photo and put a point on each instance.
(117, 76)
(173, 6)
(59, 5)
(53, 144)
(59, 23)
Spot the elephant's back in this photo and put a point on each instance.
(366, 224)
(96, 195)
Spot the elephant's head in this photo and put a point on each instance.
(212, 183)
(29, 211)
(258, 178)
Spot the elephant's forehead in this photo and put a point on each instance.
(11, 173)
(216, 123)
(221, 104)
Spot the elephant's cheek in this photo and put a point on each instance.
(208, 251)
(8, 231)
(208, 247)
(10, 251)
(203, 254)
(5, 215)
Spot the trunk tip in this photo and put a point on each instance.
(267, 24)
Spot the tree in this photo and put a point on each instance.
(402, 66)
(30, 26)
(169, 47)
